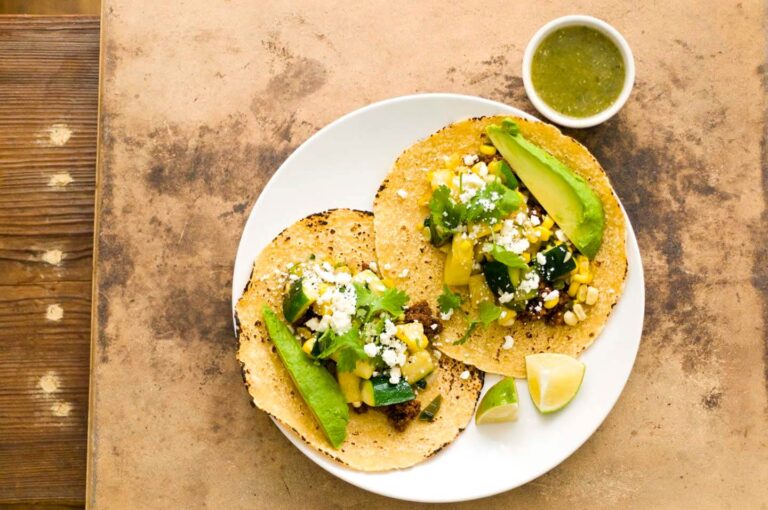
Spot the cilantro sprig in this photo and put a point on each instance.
(487, 312)
(448, 300)
(348, 348)
(392, 301)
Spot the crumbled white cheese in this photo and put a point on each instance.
(389, 356)
(394, 375)
(402, 193)
(371, 349)
(509, 342)
(482, 169)
(403, 273)
(520, 218)
(506, 297)
(529, 283)
(541, 258)
(470, 159)
(470, 185)
(387, 266)
(535, 221)
(433, 327)
(552, 295)
(464, 375)
(374, 266)
(446, 316)
(560, 235)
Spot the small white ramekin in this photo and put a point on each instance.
(608, 31)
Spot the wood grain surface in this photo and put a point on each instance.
(48, 116)
(202, 101)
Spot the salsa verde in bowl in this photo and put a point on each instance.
(578, 71)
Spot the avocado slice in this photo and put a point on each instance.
(316, 385)
(567, 197)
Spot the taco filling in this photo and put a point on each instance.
(359, 328)
(499, 241)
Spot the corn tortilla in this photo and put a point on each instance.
(401, 245)
(372, 443)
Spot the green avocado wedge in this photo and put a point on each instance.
(316, 385)
(566, 197)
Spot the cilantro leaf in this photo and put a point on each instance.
(391, 301)
(448, 300)
(445, 215)
(508, 258)
(492, 203)
(348, 348)
(487, 313)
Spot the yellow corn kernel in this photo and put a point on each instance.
(533, 236)
(452, 161)
(582, 294)
(507, 318)
(583, 266)
(526, 256)
(543, 233)
(388, 282)
(580, 278)
(573, 289)
(488, 150)
(551, 303)
(548, 223)
(308, 345)
(570, 318)
(442, 177)
(592, 295)
(579, 311)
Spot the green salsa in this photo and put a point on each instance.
(578, 71)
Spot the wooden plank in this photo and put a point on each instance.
(48, 116)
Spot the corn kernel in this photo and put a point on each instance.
(570, 318)
(507, 318)
(544, 233)
(488, 150)
(582, 294)
(452, 161)
(579, 311)
(551, 303)
(308, 345)
(580, 278)
(592, 295)
(388, 282)
(583, 266)
(526, 256)
(548, 223)
(573, 289)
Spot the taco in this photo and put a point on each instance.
(513, 229)
(341, 357)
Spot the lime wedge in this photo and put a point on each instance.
(499, 404)
(553, 380)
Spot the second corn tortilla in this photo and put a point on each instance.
(400, 245)
(372, 443)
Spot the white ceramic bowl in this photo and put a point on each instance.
(608, 31)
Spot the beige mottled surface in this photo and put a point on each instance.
(201, 101)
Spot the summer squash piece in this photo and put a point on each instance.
(316, 385)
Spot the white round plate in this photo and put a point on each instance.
(342, 165)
